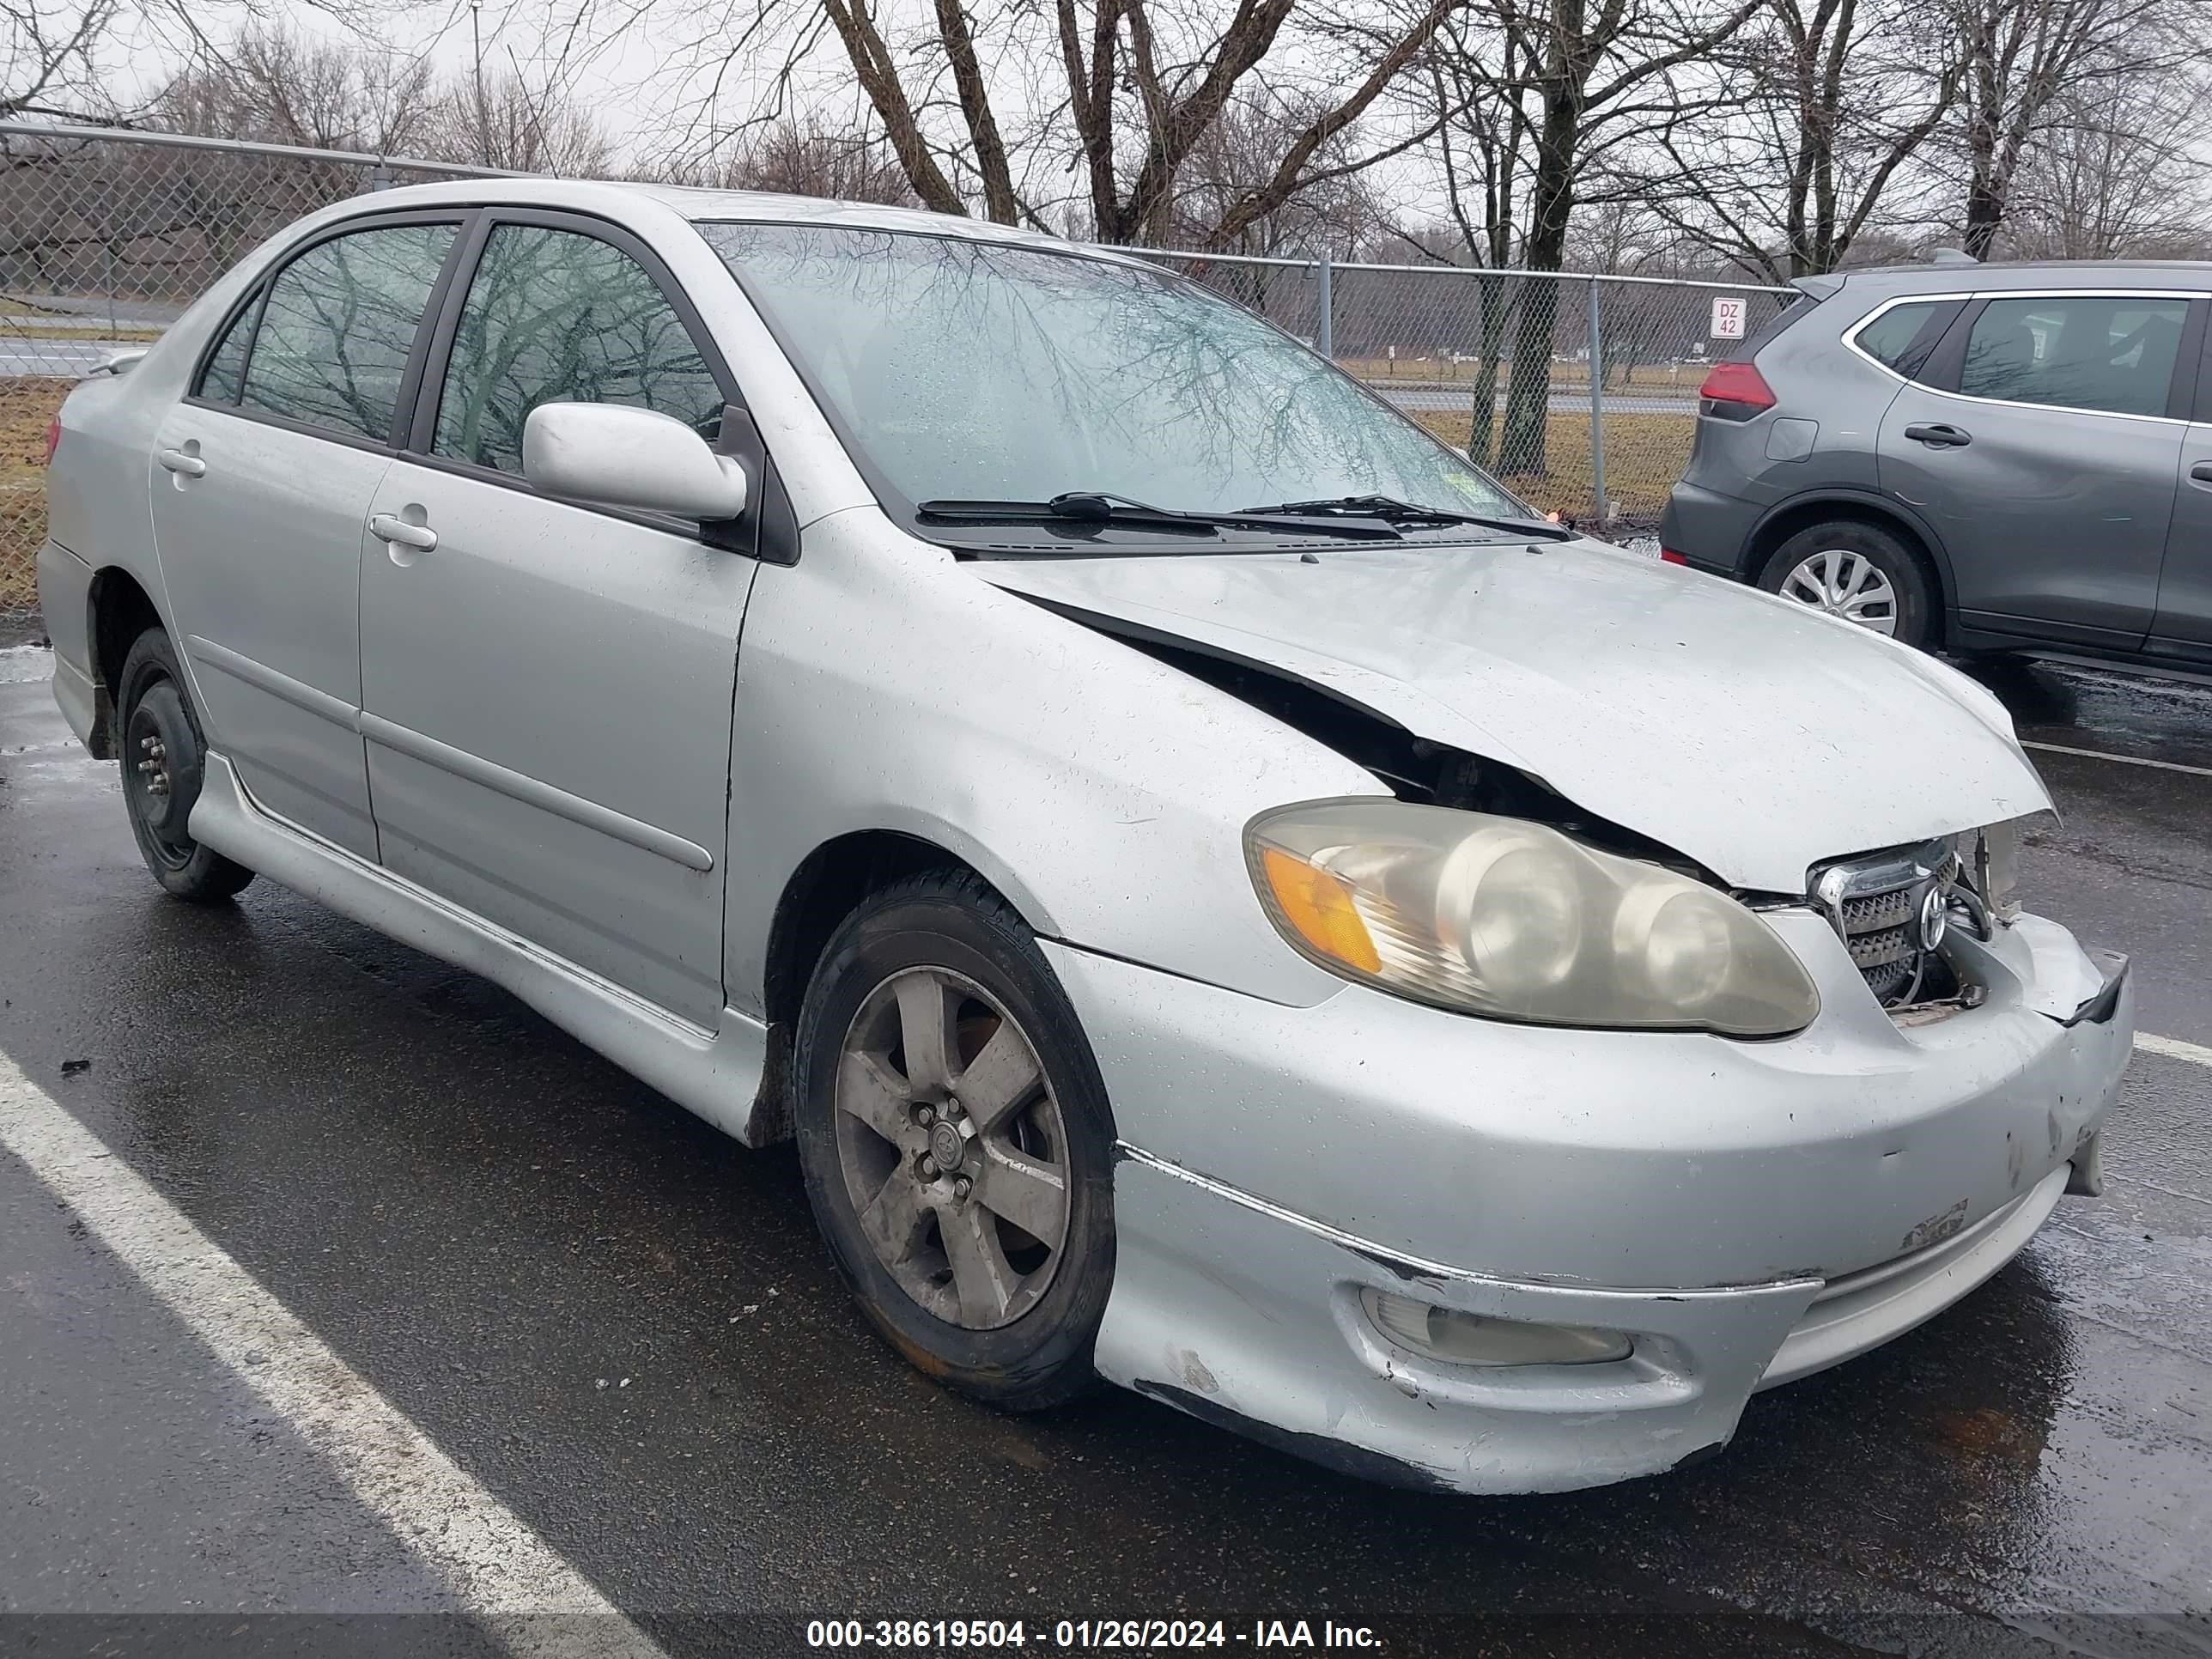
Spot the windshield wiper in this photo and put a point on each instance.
(1390, 510)
(1091, 507)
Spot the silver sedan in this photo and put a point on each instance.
(1227, 900)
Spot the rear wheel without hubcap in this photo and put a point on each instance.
(163, 758)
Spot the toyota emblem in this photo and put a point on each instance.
(1935, 916)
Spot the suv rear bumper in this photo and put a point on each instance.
(1710, 530)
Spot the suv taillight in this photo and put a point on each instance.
(53, 438)
(1738, 383)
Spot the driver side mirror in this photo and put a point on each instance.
(619, 455)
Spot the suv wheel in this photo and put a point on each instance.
(956, 1142)
(1856, 571)
(158, 741)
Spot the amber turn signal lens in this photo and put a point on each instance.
(1319, 906)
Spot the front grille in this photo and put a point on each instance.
(1890, 909)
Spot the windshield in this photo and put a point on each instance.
(967, 371)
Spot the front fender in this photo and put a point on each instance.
(882, 686)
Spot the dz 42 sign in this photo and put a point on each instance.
(1728, 319)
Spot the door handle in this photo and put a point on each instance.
(2201, 473)
(179, 461)
(386, 528)
(1939, 437)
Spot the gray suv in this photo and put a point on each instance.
(1984, 457)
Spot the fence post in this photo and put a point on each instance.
(1597, 407)
(1325, 298)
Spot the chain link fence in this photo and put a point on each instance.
(105, 239)
(1581, 392)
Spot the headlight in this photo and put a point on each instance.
(1507, 918)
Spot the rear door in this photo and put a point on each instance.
(547, 686)
(2043, 446)
(261, 483)
(2182, 630)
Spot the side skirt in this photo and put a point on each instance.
(717, 1074)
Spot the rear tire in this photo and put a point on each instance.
(956, 1142)
(1858, 572)
(163, 757)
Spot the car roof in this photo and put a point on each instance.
(1964, 275)
(701, 205)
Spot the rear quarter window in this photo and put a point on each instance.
(1903, 337)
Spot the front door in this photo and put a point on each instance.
(2045, 459)
(261, 483)
(547, 687)
(2183, 628)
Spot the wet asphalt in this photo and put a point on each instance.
(623, 1327)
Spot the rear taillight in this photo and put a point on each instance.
(53, 438)
(1668, 555)
(1738, 383)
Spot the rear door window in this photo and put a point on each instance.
(557, 316)
(337, 326)
(2104, 352)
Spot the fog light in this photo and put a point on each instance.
(1466, 1338)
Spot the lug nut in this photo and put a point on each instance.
(962, 1187)
(928, 1167)
(924, 1116)
(952, 1108)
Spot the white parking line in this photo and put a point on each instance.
(2119, 759)
(501, 1573)
(2174, 1048)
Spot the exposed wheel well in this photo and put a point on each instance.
(120, 613)
(1788, 522)
(826, 888)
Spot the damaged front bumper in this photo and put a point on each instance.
(1745, 1212)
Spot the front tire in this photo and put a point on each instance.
(1859, 572)
(956, 1143)
(163, 755)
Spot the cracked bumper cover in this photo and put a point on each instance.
(1750, 1212)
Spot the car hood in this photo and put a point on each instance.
(1754, 736)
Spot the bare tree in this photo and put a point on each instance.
(2022, 58)
(47, 65)
(2112, 174)
(804, 156)
(1339, 209)
(1585, 78)
(1832, 100)
(1482, 144)
(58, 58)
(504, 122)
(1089, 116)
(283, 87)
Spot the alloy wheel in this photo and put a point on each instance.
(952, 1148)
(1847, 585)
